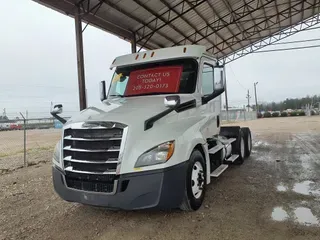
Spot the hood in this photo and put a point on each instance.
(130, 110)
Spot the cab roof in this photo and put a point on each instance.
(187, 51)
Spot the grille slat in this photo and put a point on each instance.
(74, 170)
(90, 145)
(69, 148)
(90, 139)
(91, 156)
(69, 159)
(94, 133)
(95, 156)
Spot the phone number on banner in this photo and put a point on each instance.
(151, 86)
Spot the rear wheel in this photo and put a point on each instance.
(195, 182)
(238, 147)
(247, 141)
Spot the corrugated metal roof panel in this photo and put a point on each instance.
(233, 24)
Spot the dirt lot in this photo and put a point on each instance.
(275, 194)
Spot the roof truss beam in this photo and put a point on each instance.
(254, 21)
(219, 16)
(159, 17)
(283, 15)
(203, 19)
(304, 25)
(165, 22)
(186, 20)
(114, 6)
(230, 18)
(215, 13)
(234, 15)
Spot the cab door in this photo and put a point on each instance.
(209, 78)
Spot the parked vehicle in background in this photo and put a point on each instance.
(15, 126)
(4, 126)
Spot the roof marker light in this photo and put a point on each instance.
(152, 54)
(184, 49)
(144, 55)
(137, 56)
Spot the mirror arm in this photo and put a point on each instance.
(150, 121)
(212, 96)
(56, 116)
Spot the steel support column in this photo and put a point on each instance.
(133, 43)
(226, 95)
(80, 61)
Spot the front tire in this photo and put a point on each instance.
(195, 186)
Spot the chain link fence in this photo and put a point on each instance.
(27, 142)
(32, 141)
(235, 115)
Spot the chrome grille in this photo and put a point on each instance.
(91, 154)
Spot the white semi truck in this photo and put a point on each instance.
(156, 140)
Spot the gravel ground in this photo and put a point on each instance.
(275, 194)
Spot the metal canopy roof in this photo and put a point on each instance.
(228, 28)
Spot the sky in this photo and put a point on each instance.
(38, 64)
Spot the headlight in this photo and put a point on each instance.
(57, 155)
(156, 155)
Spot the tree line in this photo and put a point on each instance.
(290, 103)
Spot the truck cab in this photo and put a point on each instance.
(155, 140)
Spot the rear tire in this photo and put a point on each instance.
(238, 147)
(195, 186)
(247, 141)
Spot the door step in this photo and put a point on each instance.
(215, 149)
(219, 170)
(232, 158)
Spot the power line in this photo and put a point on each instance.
(236, 78)
(287, 49)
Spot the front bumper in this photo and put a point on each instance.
(161, 189)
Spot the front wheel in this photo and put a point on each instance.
(195, 182)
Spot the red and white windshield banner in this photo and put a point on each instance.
(160, 79)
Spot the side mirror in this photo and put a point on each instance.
(57, 109)
(103, 94)
(219, 84)
(219, 78)
(172, 101)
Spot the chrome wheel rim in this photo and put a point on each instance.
(197, 180)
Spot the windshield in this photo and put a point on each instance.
(170, 77)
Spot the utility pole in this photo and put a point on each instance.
(255, 96)
(248, 97)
